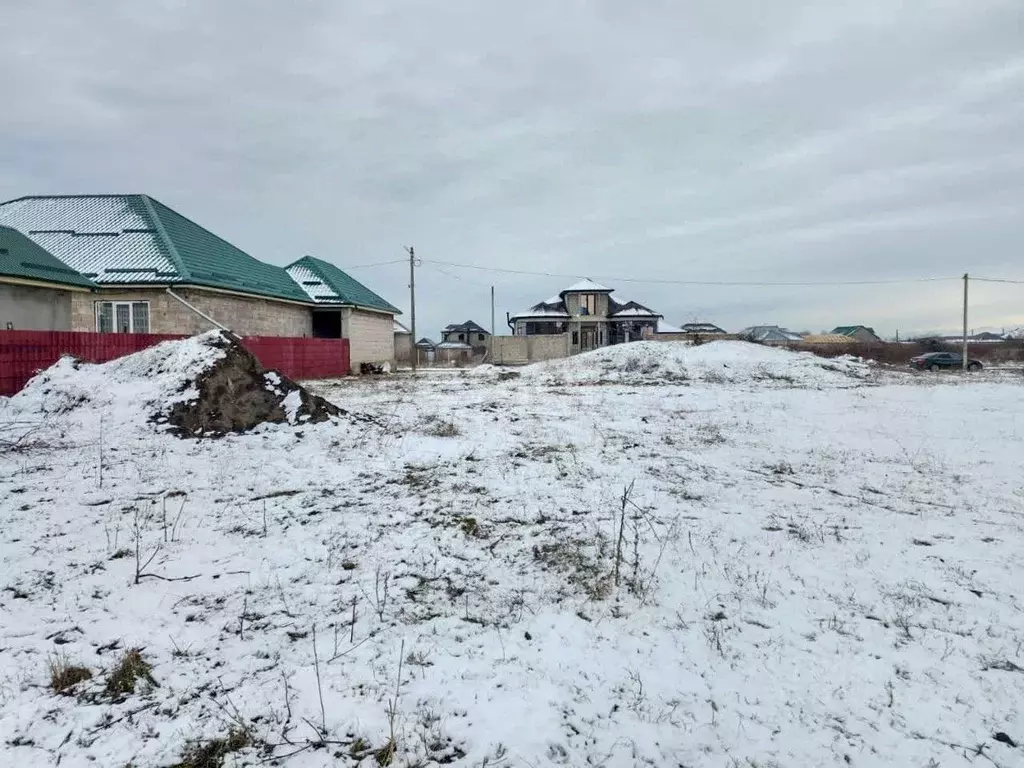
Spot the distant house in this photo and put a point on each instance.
(35, 286)
(702, 329)
(590, 314)
(769, 334)
(347, 309)
(862, 333)
(424, 349)
(469, 333)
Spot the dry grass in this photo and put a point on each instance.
(129, 669)
(64, 675)
(437, 427)
(211, 754)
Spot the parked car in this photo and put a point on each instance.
(937, 361)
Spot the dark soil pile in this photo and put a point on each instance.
(237, 393)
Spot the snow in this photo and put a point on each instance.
(664, 327)
(635, 312)
(799, 582)
(586, 284)
(291, 404)
(125, 391)
(541, 311)
(652, 362)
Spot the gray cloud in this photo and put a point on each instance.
(697, 141)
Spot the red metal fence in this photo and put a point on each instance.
(23, 353)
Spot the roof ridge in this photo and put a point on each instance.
(165, 239)
(72, 197)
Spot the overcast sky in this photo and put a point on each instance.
(717, 140)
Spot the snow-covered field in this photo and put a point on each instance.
(752, 560)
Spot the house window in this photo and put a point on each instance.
(122, 316)
(588, 303)
(575, 338)
(479, 337)
(462, 337)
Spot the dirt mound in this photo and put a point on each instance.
(236, 393)
(206, 385)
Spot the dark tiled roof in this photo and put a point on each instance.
(324, 283)
(137, 240)
(468, 326)
(22, 258)
(849, 330)
(701, 328)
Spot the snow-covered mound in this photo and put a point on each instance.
(739, 362)
(206, 384)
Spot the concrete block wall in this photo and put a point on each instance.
(371, 336)
(548, 347)
(29, 308)
(403, 348)
(510, 350)
(520, 350)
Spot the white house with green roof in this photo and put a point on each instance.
(153, 270)
(35, 286)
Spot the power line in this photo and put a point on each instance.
(378, 264)
(457, 277)
(698, 282)
(998, 280)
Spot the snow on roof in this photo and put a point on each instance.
(586, 284)
(452, 345)
(136, 239)
(634, 312)
(701, 328)
(770, 333)
(325, 283)
(399, 328)
(541, 311)
(664, 327)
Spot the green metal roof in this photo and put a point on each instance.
(847, 330)
(324, 283)
(136, 240)
(24, 259)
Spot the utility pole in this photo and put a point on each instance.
(492, 325)
(966, 278)
(412, 305)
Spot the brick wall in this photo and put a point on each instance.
(371, 335)
(243, 315)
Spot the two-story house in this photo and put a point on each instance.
(591, 315)
(469, 333)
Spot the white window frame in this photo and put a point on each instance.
(98, 306)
